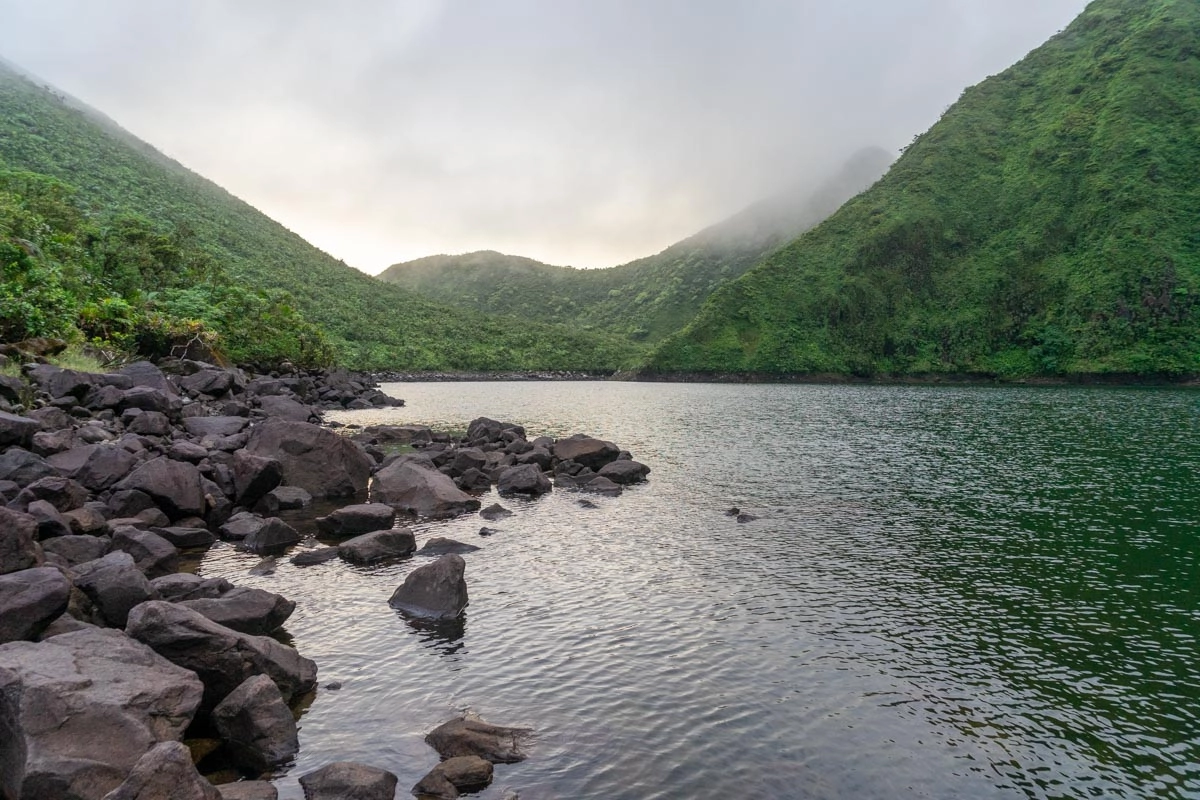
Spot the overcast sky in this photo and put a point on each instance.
(582, 133)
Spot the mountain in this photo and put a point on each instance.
(647, 299)
(116, 176)
(1047, 224)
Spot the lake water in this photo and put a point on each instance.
(949, 593)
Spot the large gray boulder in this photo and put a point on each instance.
(91, 703)
(115, 585)
(273, 536)
(17, 430)
(18, 546)
(77, 549)
(434, 591)
(23, 467)
(471, 736)
(378, 546)
(254, 611)
(221, 656)
(347, 780)
(587, 450)
(285, 408)
(313, 458)
(257, 724)
(357, 519)
(165, 772)
(96, 466)
(152, 554)
(215, 426)
(30, 600)
(175, 486)
(254, 476)
(526, 479)
(413, 485)
(624, 472)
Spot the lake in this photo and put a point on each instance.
(948, 593)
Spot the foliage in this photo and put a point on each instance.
(647, 299)
(184, 253)
(1048, 224)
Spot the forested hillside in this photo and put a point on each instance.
(647, 299)
(109, 179)
(1048, 224)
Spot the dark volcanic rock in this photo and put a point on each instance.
(152, 554)
(215, 426)
(347, 780)
(241, 525)
(357, 519)
(18, 550)
(91, 703)
(377, 546)
(257, 725)
(222, 657)
(254, 611)
(185, 586)
(471, 736)
(254, 476)
(440, 546)
(313, 458)
(434, 591)
(165, 772)
(174, 485)
(96, 466)
(285, 408)
(186, 538)
(625, 472)
(114, 585)
(411, 485)
(587, 450)
(526, 479)
(495, 511)
(320, 555)
(17, 430)
(30, 600)
(447, 779)
(273, 536)
(248, 790)
(23, 467)
(77, 549)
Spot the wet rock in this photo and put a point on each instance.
(486, 531)
(165, 772)
(274, 535)
(440, 546)
(287, 498)
(434, 591)
(624, 472)
(744, 517)
(30, 600)
(17, 430)
(18, 548)
(114, 585)
(265, 567)
(175, 486)
(733, 512)
(313, 458)
(585, 503)
(473, 481)
(347, 780)
(310, 558)
(525, 480)
(378, 546)
(455, 775)
(185, 586)
(586, 450)
(152, 554)
(253, 611)
(257, 725)
(254, 476)
(411, 485)
(91, 703)
(357, 519)
(471, 736)
(241, 525)
(495, 511)
(222, 657)
(601, 485)
(95, 466)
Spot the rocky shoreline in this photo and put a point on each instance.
(110, 657)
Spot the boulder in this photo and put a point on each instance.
(357, 519)
(495, 511)
(221, 656)
(147, 398)
(288, 498)
(273, 536)
(175, 486)
(152, 554)
(473, 481)
(313, 458)
(347, 780)
(185, 586)
(412, 485)
(187, 451)
(489, 430)
(96, 466)
(89, 520)
(165, 772)
(186, 538)
(17, 430)
(23, 467)
(91, 703)
(454, 775)
(12, 743)
(526, 479)
(30, 600)
(212, 382)
(281, 407)
(248, 790)
(625, 472)
(241, 525)
(18, 546)
(144, 373)
(215, 426)
(257, 724)
(467, 458)
(149, 423)
(47, 443)
(440, 546)
(434, 591)
(49, 521)
(254, 476)
(318, 555)
(254, 611)
(378, 546)
(77, 549)
(114, 585)
(471, 736)
(587, 450)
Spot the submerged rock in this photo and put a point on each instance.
(378, 546)
(257, 725)
(434, 591)
(440, 546)
(471, 736)
(495, 511)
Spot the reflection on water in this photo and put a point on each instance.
(949, 593)
(444, 636)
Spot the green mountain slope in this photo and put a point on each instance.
(1048, 224)
(646, 299)
(369, 324)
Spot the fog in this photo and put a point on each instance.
(582, 133)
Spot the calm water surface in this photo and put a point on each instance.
(949, 593)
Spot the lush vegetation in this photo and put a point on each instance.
(145, 248)
(1048, 224)
(647, 299)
